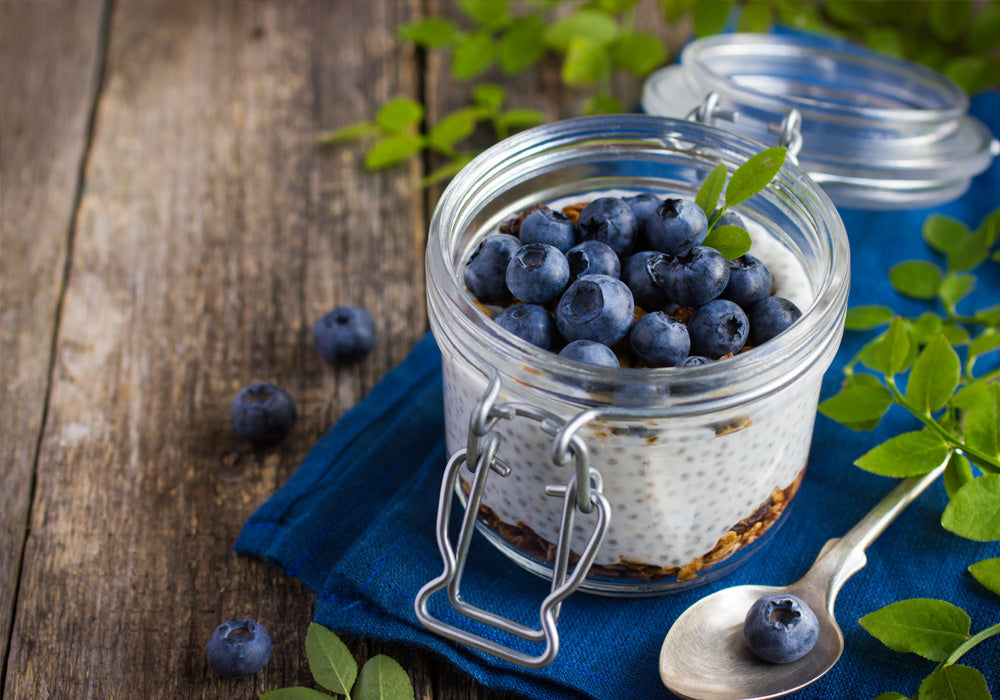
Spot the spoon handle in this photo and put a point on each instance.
(841, 557)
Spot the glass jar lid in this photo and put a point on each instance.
(875, 131)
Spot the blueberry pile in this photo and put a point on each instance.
(630, 276)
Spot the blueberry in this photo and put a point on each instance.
(595, 307)
(780, 628)
(262, 413)
(238, 647)
(592, 258)
(530, 322)
(659, 340)
(696, 276)
(344, 334)
(694, 361)
(769, 317)
(731, 218)
(718, 328)
(611, 221)
(538, 273)
(749, 281)
(486, 271)
(676, 226)
(642, 205)
(548, 226)
(590, 352)
(643, 273)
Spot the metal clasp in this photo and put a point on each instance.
(789, 133)
(709, 110)
(581, 492)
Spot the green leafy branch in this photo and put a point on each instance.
(334, 668)
(747, 180)
(938, 631)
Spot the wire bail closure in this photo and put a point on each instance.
(788, 131)
(582, 492)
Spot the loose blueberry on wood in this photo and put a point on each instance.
(486, 271)
(344, 334)
(238, 647)
(780, 628)
(262, 413)
(548, 226)
(538, 273)
(530, 322)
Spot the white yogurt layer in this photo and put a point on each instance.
(676, 485)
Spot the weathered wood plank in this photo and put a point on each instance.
(211, 234)
(49, 56)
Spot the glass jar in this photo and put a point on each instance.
(626, 481)
(875, 131)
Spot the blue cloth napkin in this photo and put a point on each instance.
(356, 522)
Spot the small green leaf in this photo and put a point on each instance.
(955, 287)
(957, 474)
(934, 376)
(989, 316)
(330, 661)
(522, 45)
(348, 133)
(382, 678)
(586, 62)
(943, 233)
(488, 13)
(393, 149)
(930, 628)
(971, 394)
(472, 55)
(984, 343)
(916, 278)
(711, 189)
(987, 572)
(989, 228)
(908, 454)
(755, 174)
(521, 118)
(711, 17)
(858, 403)
(639, 53)
(602, 104)
(863, 318)
(454, 127)
(982, 423)
(597, 27)
(972, 513)
(887, 40)
(431, 33)
(490, 97)
(399, 115)
(449, 169)
(892, 353)
(925, 327)
(955, 682)
(294, 693)
(949, 18)
(731, 241)
(755, 17)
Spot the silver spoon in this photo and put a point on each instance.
(704, 655)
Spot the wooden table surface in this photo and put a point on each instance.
(170, 232)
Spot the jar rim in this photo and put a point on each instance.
(760, 369)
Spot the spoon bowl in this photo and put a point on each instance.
(705, 655)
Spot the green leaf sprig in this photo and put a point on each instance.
(937, 352)
(334, 668)
(939, 631)
(747, 180)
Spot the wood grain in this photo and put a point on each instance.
(49, 64)
(211, 234)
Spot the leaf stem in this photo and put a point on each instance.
(971, 642)
(981, 458)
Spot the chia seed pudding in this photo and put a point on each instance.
(697, 463)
